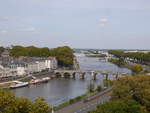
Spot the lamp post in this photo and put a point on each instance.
(52, 109)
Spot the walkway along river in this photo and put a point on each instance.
(60, 90)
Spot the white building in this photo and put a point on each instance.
(51, 63)
(21, 71)
(41, 65)
(24, 66)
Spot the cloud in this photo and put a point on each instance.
(103, 20)
(30, 29)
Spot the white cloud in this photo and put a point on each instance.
(103, 20)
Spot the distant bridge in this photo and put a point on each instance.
(92, 73)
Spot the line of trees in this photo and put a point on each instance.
(139, 57)
(131, 94)
(63, 54)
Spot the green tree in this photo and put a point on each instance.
(130, 94)
(63, 54)
(11, 104)
(90, 87)
(118, 106)
(136, 69)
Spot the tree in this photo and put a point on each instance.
(90, 87)
(134, 87)
(136, 69)
(118, 106)
(11, 104)
(99, 88)
(130, 94)
(63, 54)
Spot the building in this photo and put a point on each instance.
(10, 66)
(5, 54)
(51, 63)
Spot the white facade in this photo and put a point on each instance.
(23, 68)
(40, 65)
(32, 67)
(21, 71)
(51, 63)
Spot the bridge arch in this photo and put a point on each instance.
(67, 75)
(58, 74)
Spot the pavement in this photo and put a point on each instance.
(85, 107)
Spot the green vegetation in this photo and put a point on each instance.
(99, 88)
(138, 57)
(131, 94)
(107, 83)
(118, 106)
(90, 91)
(136, 69)
(71, 101)
(11, 104)
(63, 54)
(90, 87)
(118, 62)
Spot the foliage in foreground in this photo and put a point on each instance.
(130, 95)
(11, 104)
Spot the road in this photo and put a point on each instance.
(84, 107)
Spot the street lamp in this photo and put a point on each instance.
(52, 109)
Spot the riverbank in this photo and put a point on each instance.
(6, 83)
(83, 97)
(135, 68)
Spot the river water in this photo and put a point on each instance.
(60, 90)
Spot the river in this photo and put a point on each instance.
(60, 90)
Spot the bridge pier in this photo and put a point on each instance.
(62, 75)
(117, 76)
(93, 75)
(105, 76)
(82, 75)
(72, 75)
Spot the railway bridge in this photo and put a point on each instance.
(92, 73)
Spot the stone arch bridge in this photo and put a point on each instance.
(92, 73)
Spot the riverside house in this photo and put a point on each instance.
(10, 66)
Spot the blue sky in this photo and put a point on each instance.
(100, 24)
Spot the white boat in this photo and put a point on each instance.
(18, 84)
(39, 81)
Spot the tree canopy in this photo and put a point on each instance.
(63, 54)
(11, 104)
(131, 94)
(138, 57)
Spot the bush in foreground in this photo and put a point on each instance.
(131, 94)
(11, 104)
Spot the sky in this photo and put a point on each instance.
(98, 24)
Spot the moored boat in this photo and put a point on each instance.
(18, 84)
(39, 81)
